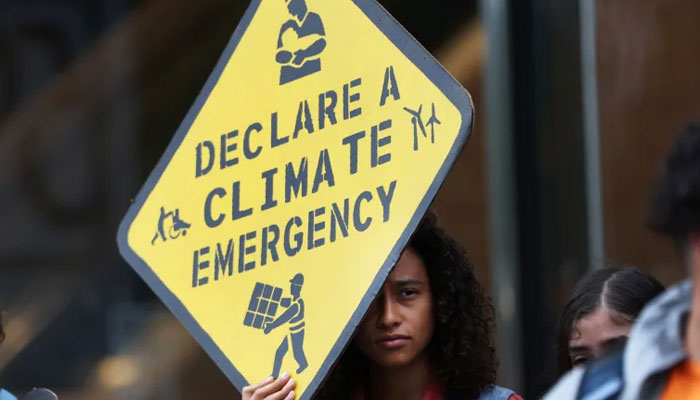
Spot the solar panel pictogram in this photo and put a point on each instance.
(263, 305)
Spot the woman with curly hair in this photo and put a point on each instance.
(427, 335)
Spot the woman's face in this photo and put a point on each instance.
(595, 334)
(399, 323)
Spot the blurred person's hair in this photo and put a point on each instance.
(675, 207)
(624, 291)
(461, 350)
(2, 332)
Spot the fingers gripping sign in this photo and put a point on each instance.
(281, 388)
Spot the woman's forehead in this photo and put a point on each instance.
(598, 326)
(409, 266)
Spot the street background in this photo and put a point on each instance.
(576, 104)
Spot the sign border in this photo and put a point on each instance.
(426, 63)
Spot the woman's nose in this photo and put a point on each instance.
(389, 312)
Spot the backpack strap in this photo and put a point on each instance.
(493, 393)
(603, 378)
(496, 393)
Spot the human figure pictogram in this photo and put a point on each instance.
(177, 227)
(298, 62)
(294, 316)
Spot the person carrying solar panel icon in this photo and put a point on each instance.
(293, 316)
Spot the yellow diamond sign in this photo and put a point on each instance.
(292, 185)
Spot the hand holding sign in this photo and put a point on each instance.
(281, 388)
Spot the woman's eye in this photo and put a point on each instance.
(408, 292)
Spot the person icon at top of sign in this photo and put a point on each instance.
(294, 315)
(300, 41)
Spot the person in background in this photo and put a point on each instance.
(427, 336)
(600, 312)
(662, 357)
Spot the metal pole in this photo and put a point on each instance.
(502, 190)
(591, 134)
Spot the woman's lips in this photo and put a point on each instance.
(393, 341)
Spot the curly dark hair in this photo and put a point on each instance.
(461, 350)
(675, 207)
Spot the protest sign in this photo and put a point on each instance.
(293, 184)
